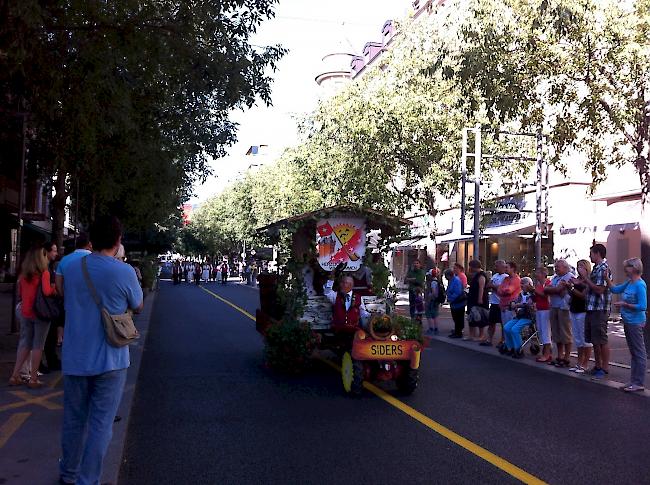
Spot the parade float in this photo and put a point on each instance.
(295, 316)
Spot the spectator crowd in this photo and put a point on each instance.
(569, 310)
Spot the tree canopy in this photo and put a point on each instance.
(130, 99)
(389, 141)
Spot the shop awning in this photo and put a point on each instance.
(415, 243)
(453, 237)
(515, 229)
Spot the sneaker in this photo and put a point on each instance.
(592, 370)
(579, 370)
(485, 343)
(574, 368)
(455, 335)
(598, 375)
(633, 388)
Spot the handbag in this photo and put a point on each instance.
(46, 308)
(119, 329)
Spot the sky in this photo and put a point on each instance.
(310, 29)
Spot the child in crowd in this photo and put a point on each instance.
(419, 304)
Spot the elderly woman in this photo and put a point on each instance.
(522, 309)
(633, 305)
(457, 299)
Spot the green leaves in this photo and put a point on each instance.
(131, 98)
(578, 68)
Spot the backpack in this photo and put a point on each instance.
(442, 294)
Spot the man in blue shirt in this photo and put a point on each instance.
(82, 248)
(94, 372)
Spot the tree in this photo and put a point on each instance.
(388, 141)
(130, 98)
(578, 68)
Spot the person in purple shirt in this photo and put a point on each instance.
(633, 305)
(94, 371)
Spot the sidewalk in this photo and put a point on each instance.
(619, 370)
(30, 420)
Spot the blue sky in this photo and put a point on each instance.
(309, 29)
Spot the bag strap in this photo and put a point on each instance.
(91, 287)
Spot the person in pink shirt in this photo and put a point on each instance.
(459, 271)
(509, 290)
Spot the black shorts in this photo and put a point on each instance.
(495, 314)
(596, 327)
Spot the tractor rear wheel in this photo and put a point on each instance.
(352, 374)
(408, 381)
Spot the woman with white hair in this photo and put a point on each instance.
(522, 309)
(633, 305)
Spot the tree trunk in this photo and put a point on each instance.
(58, 208)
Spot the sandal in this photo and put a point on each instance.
(543, 359)
(15, 381)
(35, 384)
(552, 362)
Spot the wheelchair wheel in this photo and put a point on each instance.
(534, 348)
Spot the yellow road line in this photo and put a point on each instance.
(477, 450)
(14, 422)
(28, 399)
(239, 309)
(470, 446)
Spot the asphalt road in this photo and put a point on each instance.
(207, 411)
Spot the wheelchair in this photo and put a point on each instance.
(529, 337)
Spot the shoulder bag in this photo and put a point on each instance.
(119, 329)
(46, 308)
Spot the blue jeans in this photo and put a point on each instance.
(512, 329)
(89, 407)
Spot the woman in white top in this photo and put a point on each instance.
(190, 273)
(206, 272)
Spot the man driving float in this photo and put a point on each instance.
(348, 310)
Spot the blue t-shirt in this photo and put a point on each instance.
(636, 293)
(66, 260)
(85, 349)
(454, 293)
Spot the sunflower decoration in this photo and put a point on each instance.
(381, 327)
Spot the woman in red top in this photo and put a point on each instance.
(542, 313)
(32, 330)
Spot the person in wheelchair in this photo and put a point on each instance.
(523, 309)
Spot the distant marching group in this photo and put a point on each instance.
(193, 271)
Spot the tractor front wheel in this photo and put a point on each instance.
(352, 374)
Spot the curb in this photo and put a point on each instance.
(531, 363)
(115, 453)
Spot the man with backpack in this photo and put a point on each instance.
(435, 296)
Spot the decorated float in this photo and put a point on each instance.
(297, 307)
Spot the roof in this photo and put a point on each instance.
(375, 219)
